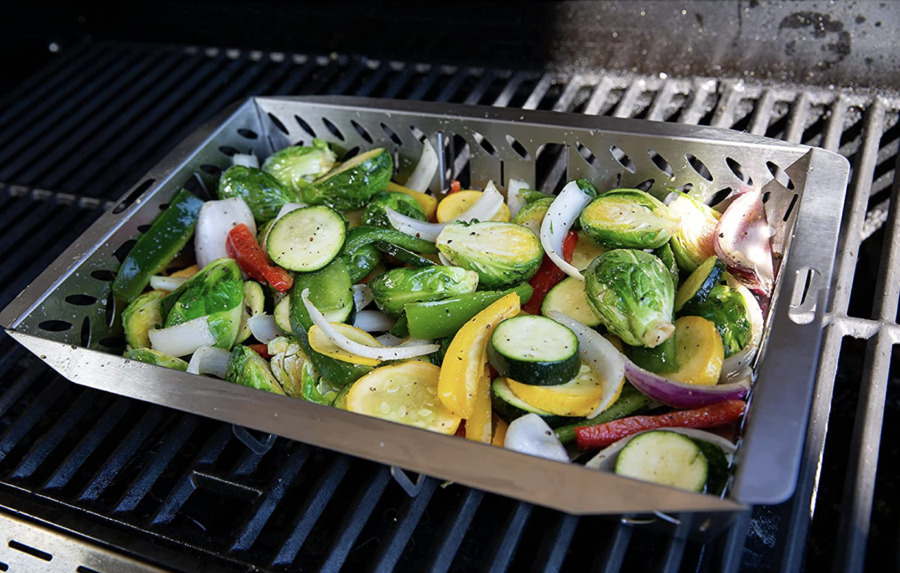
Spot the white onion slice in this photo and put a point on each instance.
(353, 347)
(388, 339)
(166, 283)
(606, 459)
(209, 360)
(484, 209)
(362, 296)
(531, 435)
(183, 339)
(514, 199)
(603, 358)
(736, 365)
(426, 168)
(245, 159)
(445, 261)
(562, 214)
(264, 328)
(373, 321)
(214, 222)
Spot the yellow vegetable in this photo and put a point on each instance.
(500, 428)
(478, 425)
(698, 350)
(463, 367)
(455, 204)
(585, 252)
(405, 393)
(579, 397)
(186, 273)
(428, 203)
(323, 345)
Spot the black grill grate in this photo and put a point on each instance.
(173, 488)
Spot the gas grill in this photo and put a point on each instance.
(98, 483)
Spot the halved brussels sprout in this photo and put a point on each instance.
(532, 214)
(376, 214)
(350, 185)
(288, 360)
(297, 166)
(155, 357)
(247, 368)
(216, 291)
(633, 295)
(264, 194)
(503, 254)
(665, 254)
(628, 219)
(395, 288)
(694, 240)
(140, 317)
(725, 307)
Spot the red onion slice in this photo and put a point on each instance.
(680, 395)
(744, 241)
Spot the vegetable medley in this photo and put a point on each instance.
(609, 327)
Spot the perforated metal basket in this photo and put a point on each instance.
(69, 318)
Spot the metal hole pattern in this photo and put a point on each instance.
(55, 435)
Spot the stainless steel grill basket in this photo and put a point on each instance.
(69, 318)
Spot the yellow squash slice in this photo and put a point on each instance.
(428, 203)
(323, 345)
(698, 350)
(579, 397)
(455, 204)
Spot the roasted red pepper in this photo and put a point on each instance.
(242, 247)
(549, 275)
(261, 349)
(455, 186)
(602, 435)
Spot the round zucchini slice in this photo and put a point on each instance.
(307, 239)
(666, 458)
(569, 298)
(534, 350)
(696, 288)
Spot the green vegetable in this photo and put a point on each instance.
(503, 254)
(329, 291)
(530, 195)
(335, 371)
(156, 248)
(628, 219)
(665, 254)
(315, 388)
(264, 194)
(403, 255)
(375, 214)
(569, 298)
(307, 239)
(725, 307)
(694, 240)
(400, 328)
(438, 357)
(361, 262)
(534, 350)
(216, 291)
(532, 214)
(661, 359)
(287, 363)
(247, 368)
(140, 317)
(395, 288)
(361, 236)
(429, 320)
(157, 358)
(666, 458)
(631, 402)
(701, 282)
(718, 466)
(254, 303)
(352, 184)
(295, 167)
(509, 406)
(632, 294)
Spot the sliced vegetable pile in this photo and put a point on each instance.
(550, 325)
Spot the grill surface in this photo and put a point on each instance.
(183, 492)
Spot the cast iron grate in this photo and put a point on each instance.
(172, 488)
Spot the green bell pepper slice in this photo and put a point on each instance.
(437, 319)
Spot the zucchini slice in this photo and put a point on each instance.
(718, 466)
(283, 313)
(569, 298)
(403, 255)
(406, 393)
(254, 303)
(534, 350)
(696, 288)
(579, 397)
(509, 406)
(665, 458)
(307, 239)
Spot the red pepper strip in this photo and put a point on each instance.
(455, 186)
(242, 247)
(602, 435)
(549, 275)
(461, 430)
(261, 349)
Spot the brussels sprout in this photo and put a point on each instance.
(264, 194)
(438, 357)
(216, 291)
(530, 195)
(665, 254)
(247, 368)
(503, 254)
(155, 357)
(633, 295)
(375, 214)
(725, 307)
(316, 389)
(694, 240)
(288, 360)
(628, 219)
(297, 166)
(141, 316)
(352, 184)
(395, 288)
(532, 214)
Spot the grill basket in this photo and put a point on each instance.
(69, 318)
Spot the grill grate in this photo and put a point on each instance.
(172, 488)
